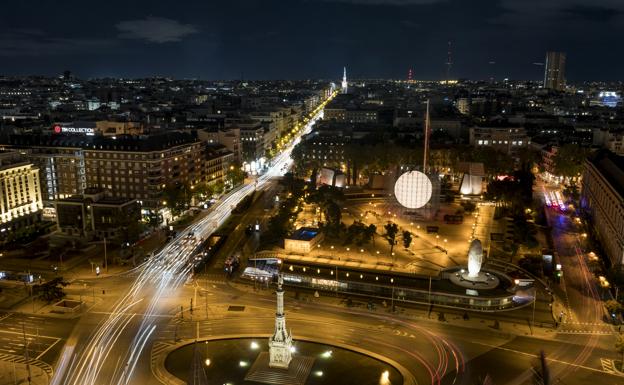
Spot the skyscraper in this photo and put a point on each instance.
(554, 72)
(344, 81)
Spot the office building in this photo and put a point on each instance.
(554, 71)
(95, 215)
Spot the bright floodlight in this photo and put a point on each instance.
(385, 378)
(413, 189)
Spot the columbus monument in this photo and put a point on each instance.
(280, 343)
(278, 366)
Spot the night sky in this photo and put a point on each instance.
(297, 39)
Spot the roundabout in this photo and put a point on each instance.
(233, 360)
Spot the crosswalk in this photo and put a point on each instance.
(590, 328)
(158, 348)
(585, 332)
(609, 367)
(31, 361)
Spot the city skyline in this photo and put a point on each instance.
(268, 40)
(363, 192)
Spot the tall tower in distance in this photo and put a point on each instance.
(449, 62)
(554, 71)
(280, 343)
(344, 81)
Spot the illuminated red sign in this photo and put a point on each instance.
(57, 129)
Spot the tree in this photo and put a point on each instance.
(392, 229)
(219, 187)
(202, 191)
(370, 232)
(619, 347)
(407, 239)
(177, 197)
(333, 216)
(52, 290)
(234, 176)
(494, 161)
(568, 161)
(613, 306)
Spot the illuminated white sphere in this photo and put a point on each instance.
(413, 189)
(475, 258)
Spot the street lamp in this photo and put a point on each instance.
(392, 300)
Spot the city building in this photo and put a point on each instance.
(303, 240)
(362, 114)
(61, 170)
(509, 140)
(610, 140)
(94, 215)
(20, 193)
(554, 71)
(126, 167)
(252, 139)
(142, 167)
(344, 84)
(602, 198)
(230, 138)
(218, 160)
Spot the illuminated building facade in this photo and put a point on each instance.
(602, 198)
(20, 195)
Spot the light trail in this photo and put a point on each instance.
(164, 272)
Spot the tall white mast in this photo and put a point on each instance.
(427, 129)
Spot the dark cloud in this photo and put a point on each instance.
(155, 29)
(34, 42)
(540, 12)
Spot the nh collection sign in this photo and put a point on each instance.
(58, 129)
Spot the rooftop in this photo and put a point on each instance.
(141, 143)
(304, 234)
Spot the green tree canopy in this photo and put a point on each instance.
(568, 161)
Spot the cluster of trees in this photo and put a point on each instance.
(234, 176)
(328, 199)
(23, 235)
(360, 233)
(568, 161)
(281, 224)
(178, 197)
(514, 192)
(51, 291)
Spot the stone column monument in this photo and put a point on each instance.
(280, 343)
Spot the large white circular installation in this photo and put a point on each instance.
(413, 189)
